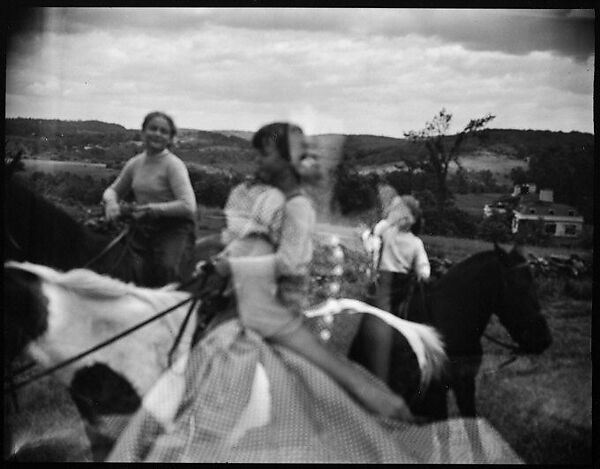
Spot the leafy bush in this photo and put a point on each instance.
(496, 228)
(69, 186)
(466, 182)
(579, 289)
(587, 237)
(550, 288)
(353, 192)
(450, 222)
(533, 232)
(212, 189)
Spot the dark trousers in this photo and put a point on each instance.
(392, 291)
(163, 247)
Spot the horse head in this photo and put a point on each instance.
(519, 309)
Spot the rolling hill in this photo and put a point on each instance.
(499, 150)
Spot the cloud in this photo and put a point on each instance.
(564, 32)
(354, 70)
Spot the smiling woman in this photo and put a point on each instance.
(165, 204)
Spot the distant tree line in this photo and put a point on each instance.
(211, 189)
(568, 171)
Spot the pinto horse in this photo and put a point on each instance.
(53, 315)
(459, 306)
(56, 315)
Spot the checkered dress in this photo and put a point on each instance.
(246, 400)
(239, 398)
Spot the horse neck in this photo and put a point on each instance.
(466, 297)
(78, 320)
(46, 233)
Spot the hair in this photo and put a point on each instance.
(276, 132)
(168, 118)
(386, 195)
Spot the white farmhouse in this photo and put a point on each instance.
(560, 220)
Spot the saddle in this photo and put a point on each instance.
(216, 304)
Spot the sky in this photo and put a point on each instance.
(352, 71)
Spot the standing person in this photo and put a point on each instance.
(402, 258)
(165, 204)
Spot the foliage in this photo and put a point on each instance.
(212, 188)
(496, 227)
(468, 182)
(566, 169)
(569, 172)
(353, 192)
(441, 150)
(520, 176)
(533, 232)
(51, 127)
(579, 289)
(70, 187)
(450, 222)
(587, 237)
(409, 181)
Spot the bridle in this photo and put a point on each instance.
(515, 349)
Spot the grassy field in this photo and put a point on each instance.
(500, 165)
(473, 203)
(97, 171)
(542, 404)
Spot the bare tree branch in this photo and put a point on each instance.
(434, 136)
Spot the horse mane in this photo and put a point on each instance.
(44, 208)
(89, 283)
(467, 264)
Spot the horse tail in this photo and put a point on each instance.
(424, 340)
(435, 358)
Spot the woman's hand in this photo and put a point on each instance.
(143, 211)
(222, 265)
(112, 211)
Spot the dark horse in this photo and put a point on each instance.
(37, 231)
(459, 305)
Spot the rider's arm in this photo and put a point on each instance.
(421, 262)
(122, 185)
(184, 203)
(380, 227)
(295, 249)
(119, 188)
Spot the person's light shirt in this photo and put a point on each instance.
(402, 251)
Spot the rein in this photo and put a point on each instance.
(91, 350)
(513, 348)
(110, 245)
(202, 272)
(13, 241)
